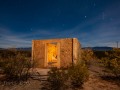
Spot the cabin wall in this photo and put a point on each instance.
(68, 51)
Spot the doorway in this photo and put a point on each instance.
(52, 54)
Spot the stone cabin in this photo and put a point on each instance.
(55, 52)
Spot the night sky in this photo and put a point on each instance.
(93, 22)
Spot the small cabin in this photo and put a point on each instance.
(55, 52)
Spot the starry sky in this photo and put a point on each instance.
(93, 22)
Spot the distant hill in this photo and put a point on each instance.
(92, 48)
(87, 48)
(1, 48)
(99, 48)
(102, 48)
(24, 49)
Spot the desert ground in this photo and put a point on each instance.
(95, 81)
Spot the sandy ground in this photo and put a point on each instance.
(29, 85)
(95, 82)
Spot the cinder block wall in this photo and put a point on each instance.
(69, 50)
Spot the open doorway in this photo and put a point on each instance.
(52, 54)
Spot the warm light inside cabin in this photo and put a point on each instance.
(52, 52)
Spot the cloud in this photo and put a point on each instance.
(94, 31)
(10, 39)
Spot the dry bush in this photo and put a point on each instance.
(100, 54)
(78, 74)
(87, 55)
(16, 66)
(112, 62)
(72, 77)
(56, 80)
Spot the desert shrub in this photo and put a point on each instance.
(100, 54)
(60, 79)
(112, 62)
(16, 67)
(5, 53)
(78, 74)
(87, 55)
(56, 80)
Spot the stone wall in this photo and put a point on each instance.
(68, 51)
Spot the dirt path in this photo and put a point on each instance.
(95, 82)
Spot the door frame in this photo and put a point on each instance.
(46, 56)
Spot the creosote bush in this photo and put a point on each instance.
(60, 79)
(78, 74)
(87, 55)
(16, 66)
(111, 62)
(56, 80)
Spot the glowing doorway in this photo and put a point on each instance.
(52, 55)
